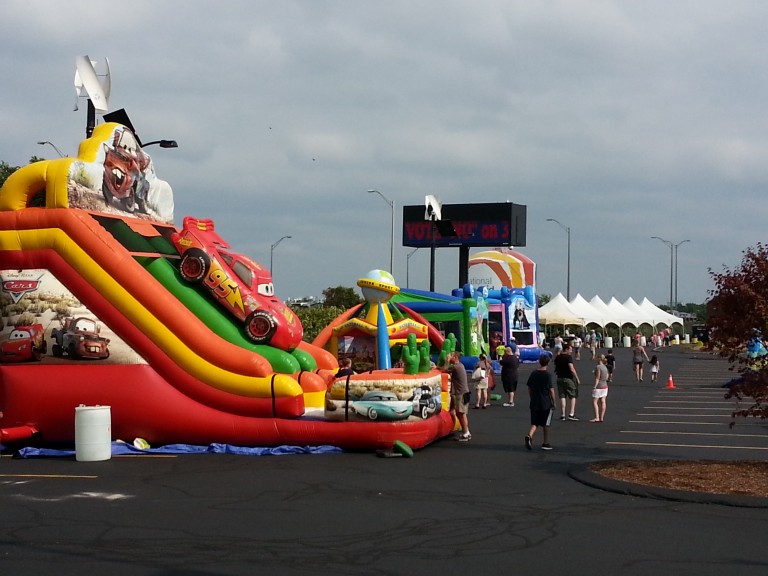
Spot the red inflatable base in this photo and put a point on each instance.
(144, 405)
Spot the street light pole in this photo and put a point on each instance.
(272, 250)
(391, 231)
(677, 302)
(568, 273)
(59, 152)
(408, 267)
(671, 267)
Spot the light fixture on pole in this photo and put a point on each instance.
(272, 250)
(392, 230)
(671, 267)
(59, 152)
(568, 269)
(162, 143)
(408, 267)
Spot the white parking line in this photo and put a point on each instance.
(695, 433)
(687, 445)
(684, 408)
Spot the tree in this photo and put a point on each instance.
(341, 297)
(737, 315)
(6, 169)
(315, 319)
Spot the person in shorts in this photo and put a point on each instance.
(542, 402)
(509, 374)
(600, 390)
(610, 364)
(459, 395)
(567, 383)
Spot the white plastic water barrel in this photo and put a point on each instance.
(642, 341)
(627, 342)
(687, 339)
(609, 341)
(677, 339)
(93, 433)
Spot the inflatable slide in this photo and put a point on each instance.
(106, 302)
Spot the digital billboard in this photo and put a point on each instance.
(480, 225)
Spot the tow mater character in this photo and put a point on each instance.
(241, 285)
(79, 338)
(125, 165)
(24, 343)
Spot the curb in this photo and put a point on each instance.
(585, 475)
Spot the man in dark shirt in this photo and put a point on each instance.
(542, 402)
(567, 382)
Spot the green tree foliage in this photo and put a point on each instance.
(341, 297)
(738, 313)
(6, 169)
(314, 319)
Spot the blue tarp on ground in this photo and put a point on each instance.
(123, 448)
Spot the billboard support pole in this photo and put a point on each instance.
(432, 256)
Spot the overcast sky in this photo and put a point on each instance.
(621, 119)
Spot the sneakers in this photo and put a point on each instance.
(509, 404)
(562, 417)
(572, 417)
(528, 443)
(461, 437)
(546, 447)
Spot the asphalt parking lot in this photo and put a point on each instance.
(484, 506)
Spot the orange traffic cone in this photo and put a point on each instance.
(670, 382)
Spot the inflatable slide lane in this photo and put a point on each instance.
(106, 302)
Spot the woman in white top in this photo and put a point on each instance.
(600, 390)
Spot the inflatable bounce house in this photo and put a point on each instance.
(369, 335)
(463, 313)
(106, 302)
(513, 311)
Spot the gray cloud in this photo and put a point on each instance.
(623, 120)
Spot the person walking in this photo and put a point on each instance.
(610, 364)
(482, 376)
(459, 395)
(567, 383)
(654, 368)
(638, 356)
(558, 344)
(593, 343)
(577, 347)
(509, 374)
(542, 402)
(600, 389)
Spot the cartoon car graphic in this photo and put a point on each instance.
(125, 165)
(79, 338)
(240, 285)
(24, 343)
(381, 405)
(425, 401)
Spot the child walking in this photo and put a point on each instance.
(654, 368)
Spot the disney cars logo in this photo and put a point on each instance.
(240, 285)
(18, 287)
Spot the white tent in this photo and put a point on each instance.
(659, 315)
(640, 316)
(580, 312)
(588, 312)
(559, 311)
(602, 308)
(619, 314)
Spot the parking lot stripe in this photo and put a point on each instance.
(688, 446)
